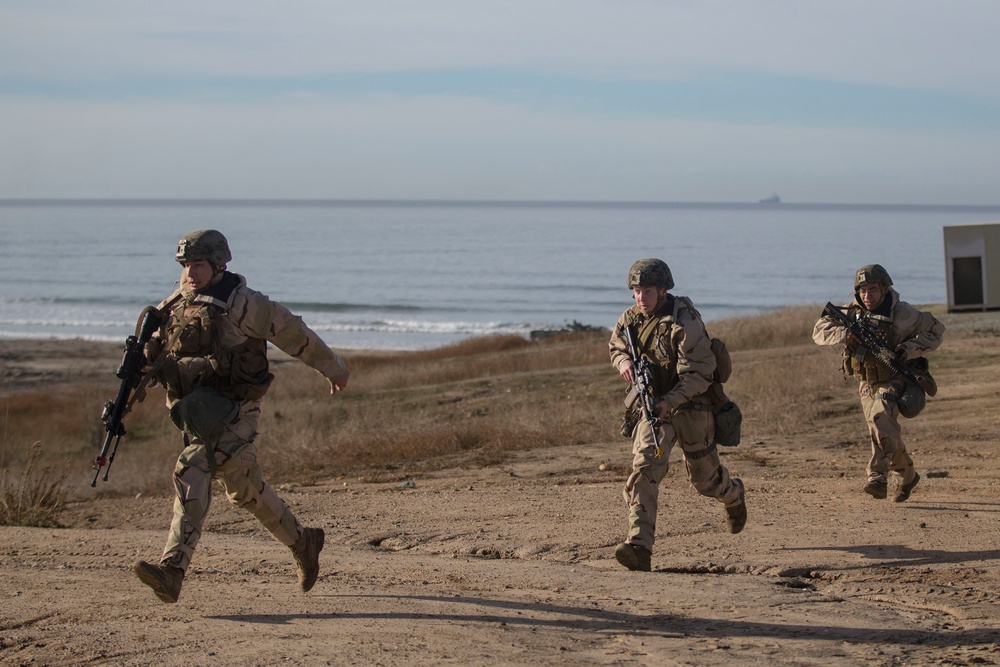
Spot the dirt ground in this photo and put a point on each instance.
(514, 564)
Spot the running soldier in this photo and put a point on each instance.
(884, 393)
(672, 337)
(211, 357)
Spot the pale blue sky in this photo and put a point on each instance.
(893, 101)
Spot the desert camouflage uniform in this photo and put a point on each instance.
(675, 340)
(898, 324)
(215, 373)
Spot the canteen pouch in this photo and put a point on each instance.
(912, 401)
(728, 423)
(728, 416)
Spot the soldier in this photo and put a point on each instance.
(211, 356)
(884, 393)
(672, 337)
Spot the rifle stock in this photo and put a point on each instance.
(877, 347)
(131, 390)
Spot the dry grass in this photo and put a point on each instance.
(474, 407)
(487, 356)
(34, 497)
(466, 404)
(779, 373)
(780, 328)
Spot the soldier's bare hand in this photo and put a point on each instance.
(625, 370)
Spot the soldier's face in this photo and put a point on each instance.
(647, 298)
(197, 275)
(872, 294)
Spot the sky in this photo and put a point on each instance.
(874, 101)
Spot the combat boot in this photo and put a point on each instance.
(736, 516)
(877, 489)
(904, 490)
(163, 578)
(306, 552)
(633, 556)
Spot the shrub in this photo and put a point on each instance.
(35, 498)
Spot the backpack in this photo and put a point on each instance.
(728, 417)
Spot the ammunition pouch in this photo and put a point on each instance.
(246, 376)
(633, 413)
(629, 422)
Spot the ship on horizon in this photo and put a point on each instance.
(773, 199)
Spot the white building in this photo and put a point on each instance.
(972, 266)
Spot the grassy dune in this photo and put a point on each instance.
(463, 405)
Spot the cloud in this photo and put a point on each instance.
(633, 99)
(921, 45)
(465, 148)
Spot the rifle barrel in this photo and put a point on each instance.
(877, 346)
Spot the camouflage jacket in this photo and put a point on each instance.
(219, 336)
(675, 341)
(897, 323)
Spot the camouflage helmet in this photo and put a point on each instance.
(650, 272)
(871, 273)
(206, 244)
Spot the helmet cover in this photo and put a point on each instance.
(207, 244)
(650, 272)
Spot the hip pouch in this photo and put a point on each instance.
(204, 413)
(728, 416)
(728, 423)
(912, 401)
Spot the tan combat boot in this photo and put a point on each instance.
(736, 516)
(876, 488)
(633, 556)
(905, 489)
(164, 579)
(306, 552)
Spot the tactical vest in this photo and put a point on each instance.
(654, 341)
(858, 361)
(195, 356)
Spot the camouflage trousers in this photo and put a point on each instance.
(693, 432)
(878, 401)
(232, 459)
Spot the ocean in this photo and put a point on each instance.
(414, 275)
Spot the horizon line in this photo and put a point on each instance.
(513, 203)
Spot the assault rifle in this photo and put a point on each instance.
(876, 346)
(643, 385)
(131, 390)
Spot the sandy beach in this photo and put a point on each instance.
(513, 563)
